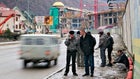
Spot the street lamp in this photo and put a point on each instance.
(113, 4)
(59, 5)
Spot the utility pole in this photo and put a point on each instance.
(95, 14)
(81, 7)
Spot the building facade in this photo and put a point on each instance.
(8, 19)
(16, 20)
(107, 18)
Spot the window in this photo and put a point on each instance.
(105, 15)
(115, 20)
(16, 26)
(28, 41)
(74, 21)
(110, 14)
(105, 21)
(19, 26)
(110, 20)
(54, 41)
(39, 41)
(114, 14)
(90, 17)
(0, 14)
(16, 18)
(74, 25)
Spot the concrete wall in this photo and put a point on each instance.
(131, 32)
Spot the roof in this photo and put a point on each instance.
(58, 4)
(28, 16)
(104, 27)
(2, 5)
(7, 12)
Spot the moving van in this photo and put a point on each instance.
(38, 48)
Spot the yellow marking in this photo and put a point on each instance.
(137, 58)
(136, 50)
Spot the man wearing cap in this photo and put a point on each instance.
(71, 44)
(102, 45)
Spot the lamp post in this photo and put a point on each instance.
(113, 4)
(59, 5)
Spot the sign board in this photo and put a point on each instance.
(39, 20)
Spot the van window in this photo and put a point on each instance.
(39, 41)
(54, 41)
(28, 41)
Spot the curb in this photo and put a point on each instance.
(9, 43)
(47, 77)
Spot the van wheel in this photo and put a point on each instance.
(55, 62)
(25, 63)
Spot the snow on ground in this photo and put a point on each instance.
(99, 72)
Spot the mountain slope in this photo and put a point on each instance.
(41, 7)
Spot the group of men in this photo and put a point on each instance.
(86, 42)
(105, 42)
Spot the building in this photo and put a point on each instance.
(8, 19)
(26, 21)
(107, 18)
(16, 20)
(73, 18)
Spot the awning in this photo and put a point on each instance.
(104, 27)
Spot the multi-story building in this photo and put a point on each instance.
(74, 18)
(106, 18)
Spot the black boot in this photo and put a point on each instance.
(109, 65)
(75, 74)
(65, 74)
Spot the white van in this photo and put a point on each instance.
(39, 48)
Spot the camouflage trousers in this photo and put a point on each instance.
(80, 59)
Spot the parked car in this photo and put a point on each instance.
(38, 48)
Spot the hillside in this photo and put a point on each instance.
(41, 7)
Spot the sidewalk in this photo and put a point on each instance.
(113, 72)
(99, 72)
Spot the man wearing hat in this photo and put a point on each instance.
(102, 45)
(71, 44)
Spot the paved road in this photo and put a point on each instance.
(11, 65)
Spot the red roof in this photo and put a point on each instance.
(2, 5)
(7, 12)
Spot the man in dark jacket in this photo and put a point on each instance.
(71, 44)
(87, 43)
(109, 48)
(122, 58)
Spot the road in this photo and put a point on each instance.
(11, 65)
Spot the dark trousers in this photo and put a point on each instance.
(70, 54)
(103, 56)
(89, 61)
(109, 50)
